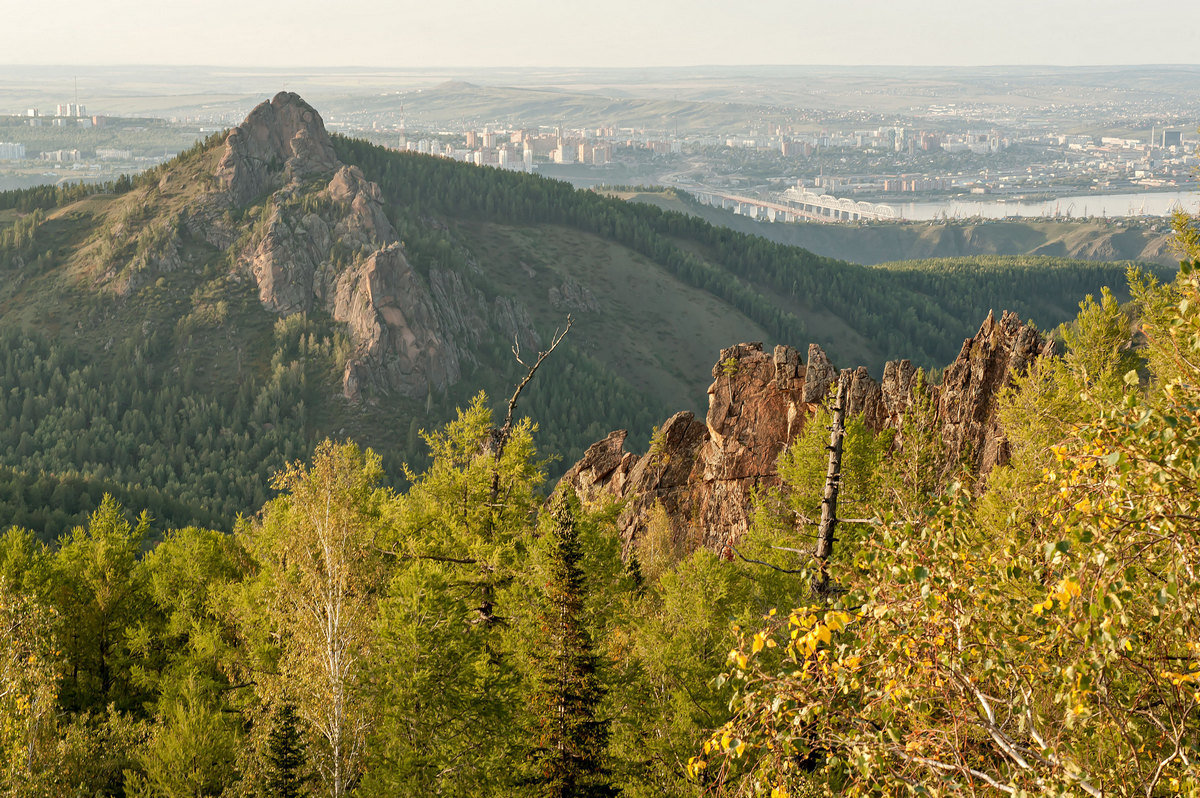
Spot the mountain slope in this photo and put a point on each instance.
(215, 316)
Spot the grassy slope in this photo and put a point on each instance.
(660, 334)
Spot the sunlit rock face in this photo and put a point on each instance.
(705, 475)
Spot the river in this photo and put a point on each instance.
(1158, 203)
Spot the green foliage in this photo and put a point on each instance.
(78, 427)
(189, 752)
(1038, 638)
(451, 692)
(320, 577)
(99, 594)
(285, 759)
(572, 738)
(28, 675)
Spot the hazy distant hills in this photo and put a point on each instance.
(171, 90)
(461, 101)
(185, 334)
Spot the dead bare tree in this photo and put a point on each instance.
(497, 440)
(833, 481)
(499, 436)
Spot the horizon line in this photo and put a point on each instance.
(604, 68)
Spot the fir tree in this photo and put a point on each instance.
(285, 755)
(572, 738)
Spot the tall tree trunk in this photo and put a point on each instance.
(833, 480)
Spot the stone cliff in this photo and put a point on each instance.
(280, 141)
(324, 241)
(704, 474)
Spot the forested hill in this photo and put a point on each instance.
(921, 311)
(184, 333)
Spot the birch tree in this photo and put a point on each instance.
(322, 574)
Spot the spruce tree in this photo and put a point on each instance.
(571, 737)
(284, 755)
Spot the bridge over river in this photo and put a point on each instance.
(796, 204)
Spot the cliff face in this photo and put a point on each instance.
(323, 241)
(704, 475)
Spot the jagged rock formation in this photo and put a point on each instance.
(313, 235)
(280, 141)
(704, 475)
(966, 399)
(325, 242)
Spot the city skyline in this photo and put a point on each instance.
(620, 33)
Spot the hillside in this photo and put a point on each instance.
(188, 331)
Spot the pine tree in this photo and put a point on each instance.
(572, 738)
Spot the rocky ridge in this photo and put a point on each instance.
(705, 474)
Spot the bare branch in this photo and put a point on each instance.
(946, 767)
(512, 402)
(767, 564)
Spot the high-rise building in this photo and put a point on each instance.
(1172, 138)
(11, 151)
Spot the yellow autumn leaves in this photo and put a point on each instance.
(1066, 590)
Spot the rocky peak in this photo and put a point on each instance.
(705, 476)
(326, 243)
(971, 386)
(280, 141)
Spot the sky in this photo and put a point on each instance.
(597, 33)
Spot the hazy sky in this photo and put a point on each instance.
(399, 33)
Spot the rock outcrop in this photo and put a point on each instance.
(323, 241)
(389, 312)
(966, 398)
(705, 475)
(279, 141)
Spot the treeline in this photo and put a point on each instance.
(27, 200)
(54, 504)
(920, 311)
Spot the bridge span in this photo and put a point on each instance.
(797, 204)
